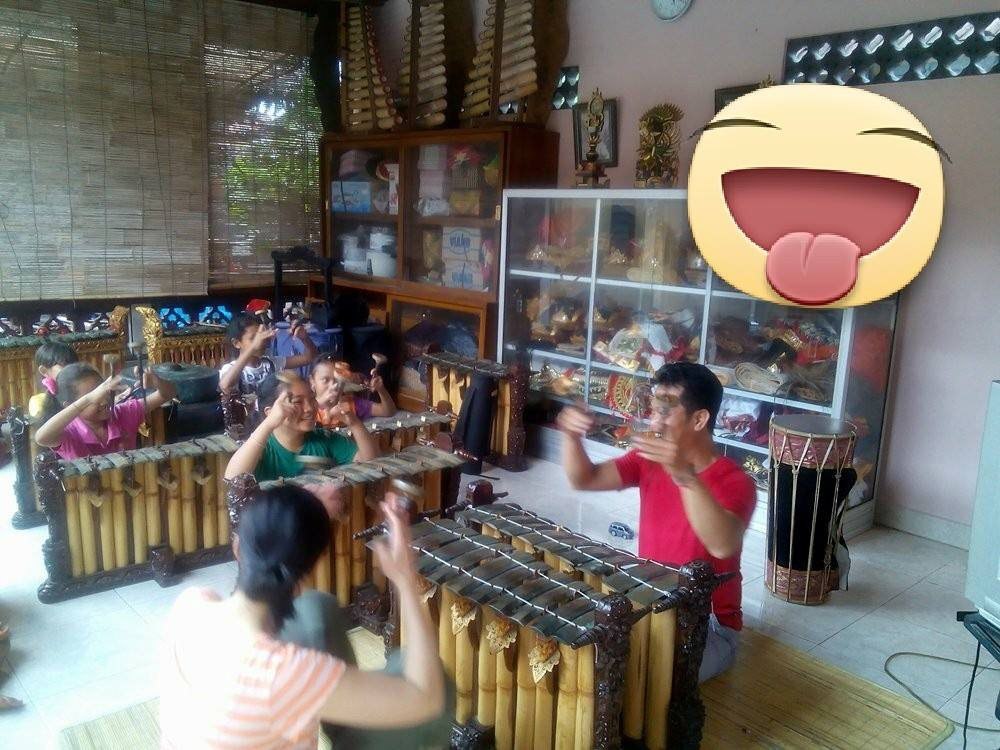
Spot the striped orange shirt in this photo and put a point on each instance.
(222, 690)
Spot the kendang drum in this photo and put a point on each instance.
(809, 479)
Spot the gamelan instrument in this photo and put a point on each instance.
(18, 376)
(195, 344)
(366, 101)
(402, 429)
(517, 61)
(20, 429)
(809, 479)
(120, 518)
(346, 568)
(448, 377)
(550, 637)
(436, 62)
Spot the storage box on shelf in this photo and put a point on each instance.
(602, 287)
(416, 216)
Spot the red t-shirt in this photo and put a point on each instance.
(665, 535)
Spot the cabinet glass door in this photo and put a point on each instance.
(364, 211)
(548, 289)
(454, 214)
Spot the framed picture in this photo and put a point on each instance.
(607, 149)
(724, 96)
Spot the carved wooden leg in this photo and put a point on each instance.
(472, 736)
(686, 717)
(240, 491)
(614, 616)
(55, 549)
(27, 514)
(514, 459)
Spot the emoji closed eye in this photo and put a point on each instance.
(737, 122)
(913, 135)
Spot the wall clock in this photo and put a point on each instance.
(670, 10)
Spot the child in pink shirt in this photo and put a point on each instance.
(90, 423)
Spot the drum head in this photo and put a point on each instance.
(812, 424)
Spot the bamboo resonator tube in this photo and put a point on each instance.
(117, 506)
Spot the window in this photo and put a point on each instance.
(146, 147)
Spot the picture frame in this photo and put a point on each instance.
(726, 95)
(608, 148)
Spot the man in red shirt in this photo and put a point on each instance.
(694, 503)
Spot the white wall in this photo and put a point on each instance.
(948, 342)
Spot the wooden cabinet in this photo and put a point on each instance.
(413, 222)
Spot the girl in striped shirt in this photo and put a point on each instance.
(232, 679)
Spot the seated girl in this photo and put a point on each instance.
(331, 382)
(288, 432)
(50, 358)
(91, 423)
(251, 339)
(263, 667)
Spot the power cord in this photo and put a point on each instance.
(968, 699)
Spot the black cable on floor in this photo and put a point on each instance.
(968, 701)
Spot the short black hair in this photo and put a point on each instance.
(282, 532)
(238, 326)
(270, 388)
(700, 388)
(68, 379)
(53, 353)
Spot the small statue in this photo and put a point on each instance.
(659, 139)
(590, 173)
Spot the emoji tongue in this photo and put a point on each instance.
(813, 269)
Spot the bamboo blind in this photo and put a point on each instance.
(263, 129)
(134, 158)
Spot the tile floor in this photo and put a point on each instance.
(89, 656)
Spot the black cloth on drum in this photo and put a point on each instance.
(474, 427)
(188, 421)
(796, 533)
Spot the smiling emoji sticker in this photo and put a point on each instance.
(816, 195)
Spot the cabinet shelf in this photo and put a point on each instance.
(740, 444)
(526, 273)
(769, 399)
(457, 221)
(646, 286)
(366, 218)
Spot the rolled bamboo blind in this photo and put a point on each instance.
(135, 158)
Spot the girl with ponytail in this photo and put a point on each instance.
(260, 669)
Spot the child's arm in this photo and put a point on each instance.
(50, 434)
(248, 455)
(230, 379)
(164, 393)
(386, 406)
(306, 358)
(367, 447)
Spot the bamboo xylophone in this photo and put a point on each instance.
(661, 676)
(346, 569)
(541, 659)
(120, 518)
(402, 429)
(18, 376)
(448, 375)
(196, 344)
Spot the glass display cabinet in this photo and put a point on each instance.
(602, 287)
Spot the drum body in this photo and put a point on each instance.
(809, 479)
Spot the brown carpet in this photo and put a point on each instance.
(774, 697)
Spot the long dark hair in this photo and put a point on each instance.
(282, 532)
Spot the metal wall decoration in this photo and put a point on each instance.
(567, 94)
(659, 140)
(943, 48)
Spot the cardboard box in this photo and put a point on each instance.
(356, 196)
(464, 276)
(461, 245)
